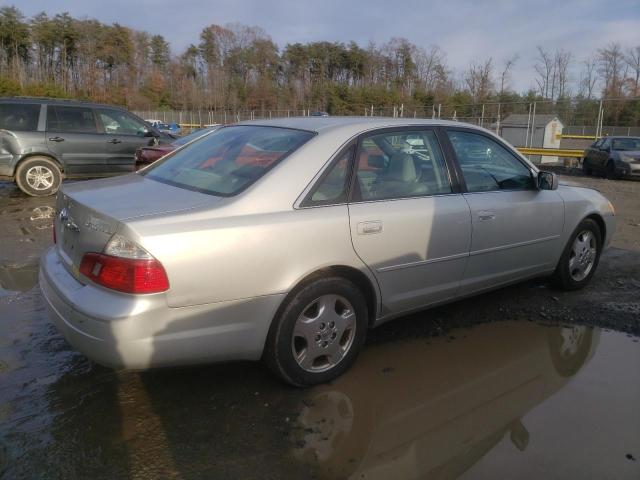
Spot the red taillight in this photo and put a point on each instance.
(125, 274)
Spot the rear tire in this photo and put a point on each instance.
(38, 176)
(317, 333)
(580, 258)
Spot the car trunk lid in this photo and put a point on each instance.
(89, 213)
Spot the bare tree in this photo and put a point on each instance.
(477, 79)
(504, 76)
(429, 63)
(562, 60)
(544, 71)
(588, 77)
(610, 65)
(632, 58)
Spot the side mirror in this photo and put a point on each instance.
(547, 181)
(150, 133)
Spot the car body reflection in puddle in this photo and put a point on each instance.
(411, 410)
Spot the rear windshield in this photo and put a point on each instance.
(19, 117)
(192, 136)
(229, 160)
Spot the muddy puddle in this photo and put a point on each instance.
(498, 400)
(18, 278)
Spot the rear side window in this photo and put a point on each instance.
(70, 120)
(19, 117)
(487, 165)
(400, 164)
(333, 187)
(229, 160)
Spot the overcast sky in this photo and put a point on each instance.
(466, 30)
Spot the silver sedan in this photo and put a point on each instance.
(288, 239)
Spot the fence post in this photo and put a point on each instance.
(439, 110)
(526, 141)
(372, 110)
(533, 125)
(401, 110)
(482, 116)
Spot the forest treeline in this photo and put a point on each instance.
(240, 67)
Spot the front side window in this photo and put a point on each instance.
(400, 164)
(229, 160)
(70, 120)
(487, 165)
(116, 122)
(19, 117)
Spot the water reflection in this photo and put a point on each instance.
(18, 278)
(412, 410)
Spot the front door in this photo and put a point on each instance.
(407, 223)
(72, 136)
(515, 227)
(124, 134)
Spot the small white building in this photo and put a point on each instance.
(541, 131)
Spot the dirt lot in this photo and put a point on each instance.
(524, 382)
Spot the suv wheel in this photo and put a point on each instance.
(586, 169)
(318, 333)
(580, 257)
(38, 176)
(611, 173)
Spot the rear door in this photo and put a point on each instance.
(408, 222)
(72, 135)
(515, 227)
(124, 134)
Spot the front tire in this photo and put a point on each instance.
(318, 332)
(611, 173)
(586, 169)
(580, 257)
(38, 176)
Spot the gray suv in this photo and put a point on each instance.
(43, 141)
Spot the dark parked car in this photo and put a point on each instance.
(613, 157)
(148, 155)
(43, 141)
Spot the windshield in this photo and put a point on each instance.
(229, 160)
(626, 144)
(192, 136)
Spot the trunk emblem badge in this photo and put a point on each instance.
(67, 221)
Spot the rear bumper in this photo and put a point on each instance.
(141, 331)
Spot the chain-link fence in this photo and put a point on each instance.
(579, 117)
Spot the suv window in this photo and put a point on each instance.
(333, 187)
(19, 117)
(400, 164)
(487, 165)
(70, 119)
(116, 122)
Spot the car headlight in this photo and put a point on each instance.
(625, 158)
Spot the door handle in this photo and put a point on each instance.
(486, 215)
(367, 228)
(56, 139)
(114, 141)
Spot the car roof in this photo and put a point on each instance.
(323, 124)
(56, 101)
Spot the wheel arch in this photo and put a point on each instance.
(356, 276)
(29, 155)
(596, 217)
